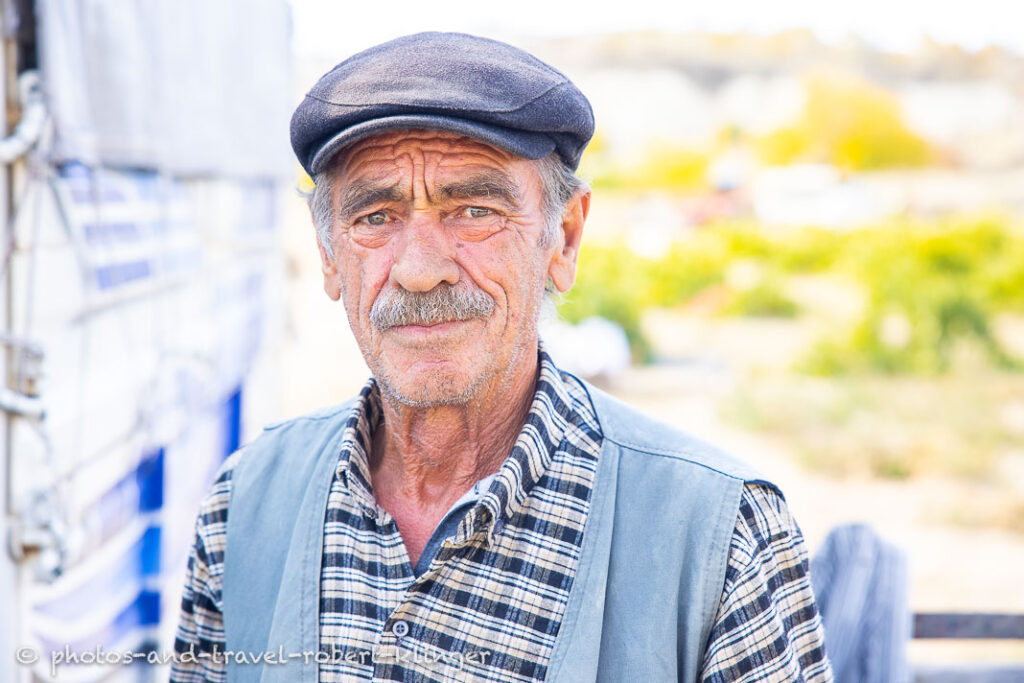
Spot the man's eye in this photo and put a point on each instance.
(477, 212)
(376, 218)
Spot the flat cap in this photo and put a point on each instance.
(484, 89)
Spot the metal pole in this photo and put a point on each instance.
(9, 578)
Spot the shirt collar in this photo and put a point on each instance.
(531, 455)
(354, 459)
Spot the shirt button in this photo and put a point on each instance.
(400, 628)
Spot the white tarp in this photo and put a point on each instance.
(188, 87)
(155, 303)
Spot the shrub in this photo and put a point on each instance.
(849, 123)
(934, 282)
(930, 287)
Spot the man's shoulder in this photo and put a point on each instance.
(279, 446)
(316, 418)
(295, 442)
(638, 432)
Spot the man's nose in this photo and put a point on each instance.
(425, 255)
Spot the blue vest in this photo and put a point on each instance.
(647, 588)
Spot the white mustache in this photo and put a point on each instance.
(444, 303)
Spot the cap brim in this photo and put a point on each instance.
(521, 143)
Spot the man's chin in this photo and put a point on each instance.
(424, 376)
(431, 393)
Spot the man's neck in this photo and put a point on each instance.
(424, 458)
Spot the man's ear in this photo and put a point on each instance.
(328, 266)
(562, 269)
(332, 277)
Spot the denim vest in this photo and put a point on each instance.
(646, 591)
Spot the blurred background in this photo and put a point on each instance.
(806, 245)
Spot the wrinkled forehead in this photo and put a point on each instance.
(404, 148)
(437, 158)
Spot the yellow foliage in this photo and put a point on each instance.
(598, 144)
(672, 168)
(664, 167)
(849, 123)
(784, 146)
(304, 183)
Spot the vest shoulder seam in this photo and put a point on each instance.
(681, 455)
(316, 416)
(673, 443)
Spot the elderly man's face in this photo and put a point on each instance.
(438, 259)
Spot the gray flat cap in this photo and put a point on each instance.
(481, 88)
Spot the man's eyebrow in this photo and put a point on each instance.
(360, 194)
(489, 184)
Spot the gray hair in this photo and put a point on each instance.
(558, 181)
(559, 185)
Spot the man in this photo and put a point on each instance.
(475, 514)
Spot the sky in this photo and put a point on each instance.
(329, 27)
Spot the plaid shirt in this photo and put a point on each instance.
(499, 602)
